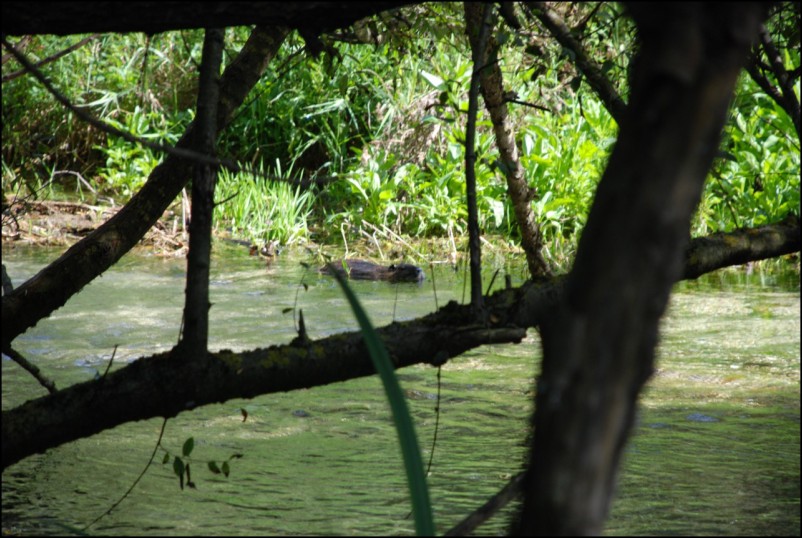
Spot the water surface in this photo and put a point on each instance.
(716, 450)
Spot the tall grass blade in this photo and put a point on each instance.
(419, 491)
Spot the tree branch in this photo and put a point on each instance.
(592, 71)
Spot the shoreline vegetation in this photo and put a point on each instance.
(364, 148)
(63, 223)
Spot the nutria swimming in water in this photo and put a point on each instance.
(365, 270)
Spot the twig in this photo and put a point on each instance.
(489, 509)
(31, 368)
(54, 57)
(147, 465)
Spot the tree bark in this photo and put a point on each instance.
(195, 335)
(492, 87)
(706, 254)
(158, 387)
(474, 245)
(599, 344)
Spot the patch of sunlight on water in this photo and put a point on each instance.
(716, 449)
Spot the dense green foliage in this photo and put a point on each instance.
(386, 118)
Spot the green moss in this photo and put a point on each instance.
(232, 360)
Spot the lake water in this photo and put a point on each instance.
(716, 449)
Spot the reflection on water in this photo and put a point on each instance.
(716, 450)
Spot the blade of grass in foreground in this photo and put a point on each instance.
(419, 491)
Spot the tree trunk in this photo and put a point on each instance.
(492, 88)
(599, 346)
(195, 335)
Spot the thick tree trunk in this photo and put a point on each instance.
(599, 346)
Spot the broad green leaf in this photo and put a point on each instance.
(189, 444)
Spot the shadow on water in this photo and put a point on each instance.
(715, 451)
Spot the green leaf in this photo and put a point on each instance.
(166, 458)
(434, 80)
(189, 444)
(213, 467)
(419, 491)
(178, 467)
(502, 36)
(226, 469)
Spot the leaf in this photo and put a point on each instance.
(419, 491)
(244, 414)
(502, 36)
(213, 467)
(288, 309)
(189, 444)
(178, 467)
(434, 80)
(226, 469)
(498, 210)
(166, 458)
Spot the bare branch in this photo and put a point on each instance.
(592, 71)
(54, 57)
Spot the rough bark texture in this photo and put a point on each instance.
(706, 254)
(599, 344)
(53, 286)
(492, 88)
(156, 386)
(159, 386)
